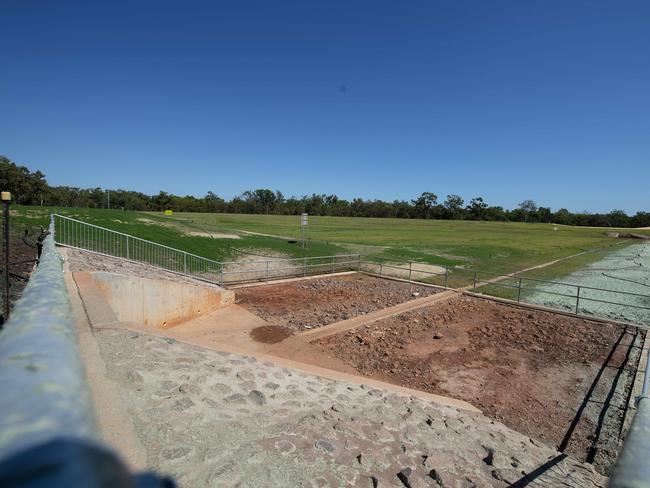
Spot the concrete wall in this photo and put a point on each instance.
(159, 303)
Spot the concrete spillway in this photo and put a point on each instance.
(150, 302)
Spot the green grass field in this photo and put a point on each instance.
(489, 246)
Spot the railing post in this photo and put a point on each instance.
(519, 291)
(332, 264)
(410, 269)
(304, 267)
(446, 276)
(221, 271)
(127, 247)
(381, 267)
(577, 300)
(359, 263)
(474, 282)
(267, 271)
(185, 262)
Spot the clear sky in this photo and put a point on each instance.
(509, 100)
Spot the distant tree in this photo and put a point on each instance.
(563, 216)
(544, 214)
(454, 206)
(424, 203)
(495, 213)
(476, 209)
(528, 207)
(618, 218)
(31, 188)
(641, 219)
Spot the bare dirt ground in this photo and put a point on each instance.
(303, 305)
(561, 380)
(21, 264)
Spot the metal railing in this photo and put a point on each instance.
(580, 300)
(48, 432)
(44, 391)
(89, 237)
(632, 468)
(278, 268)
(407, 272)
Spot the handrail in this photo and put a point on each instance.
(254, 261)
(136, 238)
(479, 285)
(44, 391)
(632, 469)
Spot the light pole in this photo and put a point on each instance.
(5, 196)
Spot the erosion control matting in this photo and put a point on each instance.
(562, 380)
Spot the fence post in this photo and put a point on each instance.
(446, 276)
(519, 291)
(410, 269)
(222, 283)
(381, 267)
(474, 282)
(304, 267)
(127, 247)
(185, 262)
(332, 264)
(359, 263)
(577, 300)
(267, 271)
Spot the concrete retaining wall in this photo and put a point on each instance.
(159, 303)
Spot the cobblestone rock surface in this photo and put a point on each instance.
(216, 419)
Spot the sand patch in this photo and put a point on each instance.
(212, 235)
(418, 271)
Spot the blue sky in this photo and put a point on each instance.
(508, 100)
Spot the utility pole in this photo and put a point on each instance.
(5, 196)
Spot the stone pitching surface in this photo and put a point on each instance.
(210, 418)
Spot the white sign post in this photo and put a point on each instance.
(303, 227)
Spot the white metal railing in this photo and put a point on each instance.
(277, 268)
(89, 237)
(586, 301)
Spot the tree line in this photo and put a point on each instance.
(31, 188)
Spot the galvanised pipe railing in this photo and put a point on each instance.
(44, 391)
(100, 240)
(479, 286)
(89, 237)
(632, 469)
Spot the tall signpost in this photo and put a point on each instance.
(303, 227)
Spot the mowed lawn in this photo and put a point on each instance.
(489, 246)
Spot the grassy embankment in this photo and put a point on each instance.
(498, 247)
